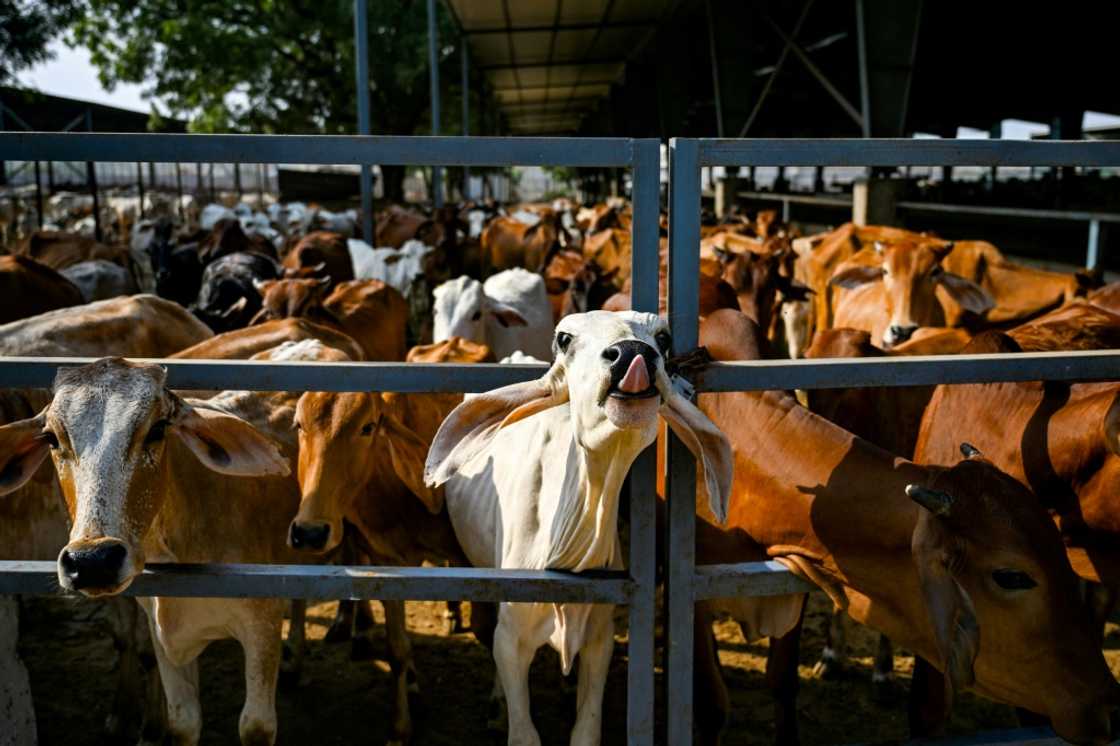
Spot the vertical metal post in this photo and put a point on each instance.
(864, 84)
(361, 44)
(213, 191)
(50, 177)
(643, 479)
(237, 181)
(179, 189)
(91, 182)
(715, 68)
(38, 196)
(680, 542)
(466, 93)
(260, 186)
(199, 186)
(1093, 257)
(140, 184)
(433, 77)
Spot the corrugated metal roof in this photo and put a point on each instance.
(551, 61)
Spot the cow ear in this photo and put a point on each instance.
(853, 277)
(708, 444)
(228, 444)
(967, 293)
(472, 425)
(238, 306)
(951, 615)
(408, 453)
(507, 316)
(22, 449)
(262, 286)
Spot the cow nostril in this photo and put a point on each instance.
(69, 566)
(310, 536)
(611, 354)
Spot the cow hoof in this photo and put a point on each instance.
(337, 632)
(361, 649)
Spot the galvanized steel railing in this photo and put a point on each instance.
(686, 583)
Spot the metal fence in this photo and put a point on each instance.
(686, 583)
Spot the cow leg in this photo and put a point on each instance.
(180, 685)
(404, 671)
(295, 648)
(784, 682)
(263, 649)
(15, 687)
(928, 707)
(128, 627)
(594, 664)
(454, 618)
(513, 656)
(484, 619)
(882, 676)
(835, 647)
(361, 644)
(1102, 602)
(710, 698)
(342, 627)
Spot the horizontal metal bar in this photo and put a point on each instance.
(319, 149)
(338, 582)
(1040, 736)
(554, 63)
(1010, 212)
(746, 579)
(260, 375)
(799, 199)
(588, 26)
(917, 370)
(908, 152)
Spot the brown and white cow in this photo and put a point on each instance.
(960, 565)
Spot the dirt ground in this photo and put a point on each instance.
(70, 658)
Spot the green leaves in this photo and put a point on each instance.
(26, 28)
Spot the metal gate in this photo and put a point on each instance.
(686, 583)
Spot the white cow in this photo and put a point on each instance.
(212, 213)
(510, 313)
(99, 279)
(396, 267)
(532, 474)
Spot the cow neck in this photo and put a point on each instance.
(584, 532)
(807, 488)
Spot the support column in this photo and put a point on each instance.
(433, 76)
(464, 57)
(875, 201)
(91, 182)
(361, 44)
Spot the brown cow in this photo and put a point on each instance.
(507, 243)
(611, 250)
(904, 292)
(714, 295)
(242, 344)
(395, 225)
(228, 237)
(577, 285)
(28, 288)
(361, 460)
(968, 572)
(320, 254)
(1107, 297)
(59, 249)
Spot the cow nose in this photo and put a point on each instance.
(621, 355)
(901, 333)
(98, 566)
(309, 535)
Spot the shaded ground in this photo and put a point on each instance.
(70, 659)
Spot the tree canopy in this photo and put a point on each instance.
(284, 66)
(26, 28)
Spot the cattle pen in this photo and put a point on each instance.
(685, 582)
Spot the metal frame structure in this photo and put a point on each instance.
(686, 583)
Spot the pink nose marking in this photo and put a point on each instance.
(636, 379)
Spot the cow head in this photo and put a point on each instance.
(107, 430)
(911, 272)
(1002, 600)
(461, 308)
(609, 371)
(282, 299)
(349, 443)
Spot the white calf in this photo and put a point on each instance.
(532, 474)
(510, 313)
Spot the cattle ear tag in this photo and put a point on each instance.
(683, 386)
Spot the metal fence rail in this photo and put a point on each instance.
(685, 582)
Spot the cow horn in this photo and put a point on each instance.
(970, 451)
(880, 247)
(935, 501)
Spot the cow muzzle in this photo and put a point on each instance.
(95, 568)
(632, 397)
(898, 333)
(309, 536)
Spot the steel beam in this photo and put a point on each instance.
(646, 23)
(361, 53)
(433, 79)
(747, 579)
(778, 66)
(340, 582)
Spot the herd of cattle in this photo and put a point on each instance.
(975, 525)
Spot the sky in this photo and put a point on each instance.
(72, 74)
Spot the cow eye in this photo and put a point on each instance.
(1013, 580)
(477, 316)
(563, 339)
(935, 272)
(367, 429)
(49, 438)
(664, 342)
(157, 432)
